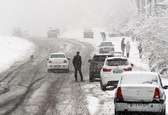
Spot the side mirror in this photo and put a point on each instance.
(89, 60)
(165, 87)
(132, 65)
(69, 58)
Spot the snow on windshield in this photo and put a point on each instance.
(117, 62)
(139, 79)
(106, 44)
(57, 56)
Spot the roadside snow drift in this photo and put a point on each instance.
(13, 49)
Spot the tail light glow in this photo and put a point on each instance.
(128, 69)
(65, 61)
(119, 95)
(156, 94)
(106, 70)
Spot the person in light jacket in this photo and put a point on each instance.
(128, 46)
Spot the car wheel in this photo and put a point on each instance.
(103, 87)
(118, 113)
(163, 113)
(49, 71)
(67, 71)
(91, 79)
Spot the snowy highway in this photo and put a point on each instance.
(34, 91)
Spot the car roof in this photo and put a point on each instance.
(141, 73)
(57, 53)
(105, 41)
(116, 58)
(102, 54)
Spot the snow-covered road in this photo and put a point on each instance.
(45, 93)
(99, 102)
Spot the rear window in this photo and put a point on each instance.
(117, 62)
(57, 56)
(106, 44)
(139, 79)
(101, 58)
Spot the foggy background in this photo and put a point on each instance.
(35, 16)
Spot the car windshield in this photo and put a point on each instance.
(117, 62)
(106, 44)
(57, 56)
(101, 58)
(139, 79)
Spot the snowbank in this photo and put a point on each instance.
(13, 49)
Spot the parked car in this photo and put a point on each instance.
(57, 61)
(106, 47)
(53, 33)
(118, 54)
(96, 64)
(111, 71)
(140, 92)
(88, 34)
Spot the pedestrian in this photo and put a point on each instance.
(123, 46)
(77, 63)
(140, 49)
(128, 46)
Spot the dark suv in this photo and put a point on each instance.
(96, 64)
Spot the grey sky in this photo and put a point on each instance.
(38, 15)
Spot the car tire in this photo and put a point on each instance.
(67, 71)
(48, 70)
(118, 113)
(163, 113)
(91, 79)
(103, 87)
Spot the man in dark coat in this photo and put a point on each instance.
(77, 62)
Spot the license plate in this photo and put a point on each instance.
(137, 105)
(117, 71)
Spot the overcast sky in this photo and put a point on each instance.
(37, 15)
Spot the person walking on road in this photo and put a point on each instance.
(77, 63)
(123, 46)
(140, 49)
(128, 48)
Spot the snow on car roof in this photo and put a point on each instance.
(116, 58)
(57, 53)
(140, 73)
(139, 77)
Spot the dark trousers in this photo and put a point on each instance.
(80, 72)
(127, 55)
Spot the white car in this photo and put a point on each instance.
(57, 61)
(111, 71)
(106, 47)
(140, 92)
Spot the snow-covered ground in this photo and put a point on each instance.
(99, 102)
(13, 49)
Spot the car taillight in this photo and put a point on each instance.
(106, 70)
(49, 61)
(156, 96)
(128, 69)
(65, 61)
(119, 96)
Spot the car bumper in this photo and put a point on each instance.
(110, 79)
(96, 74)
(140, 107)
(58, 67)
